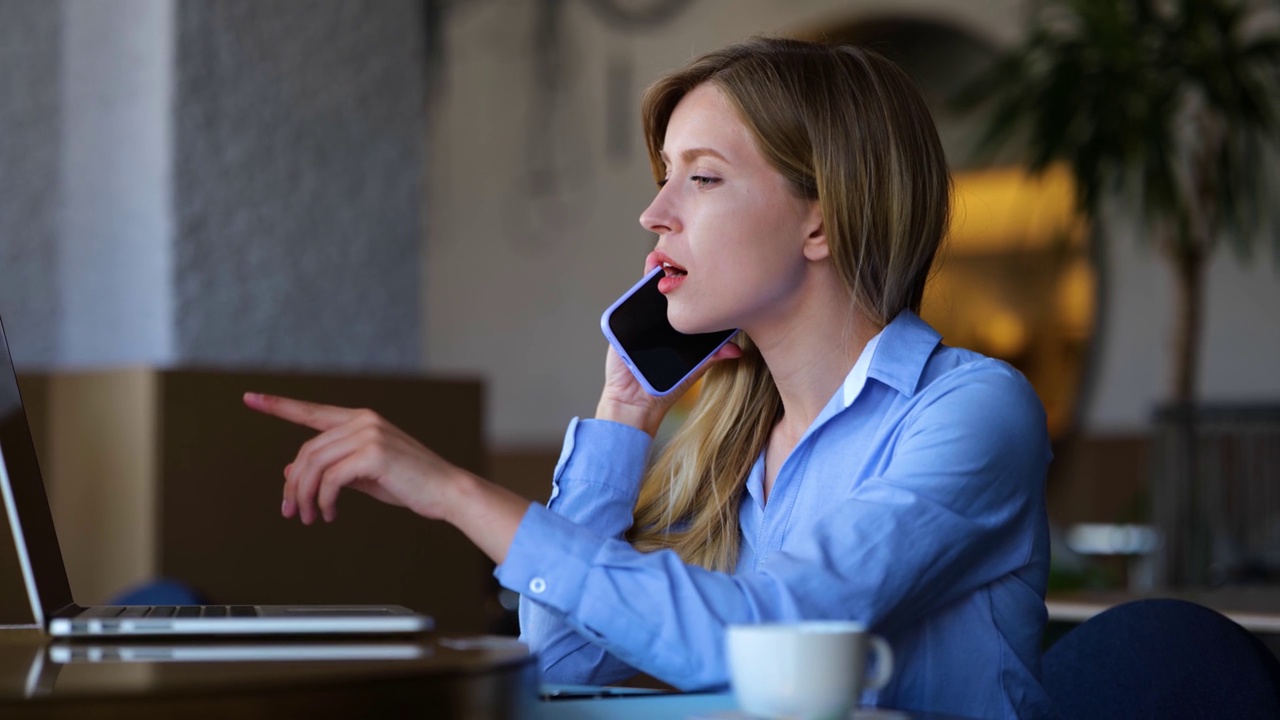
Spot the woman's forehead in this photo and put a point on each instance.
(704, 122)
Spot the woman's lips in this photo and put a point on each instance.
(674, 274)
(670, 282)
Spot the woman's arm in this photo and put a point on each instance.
(360, 450)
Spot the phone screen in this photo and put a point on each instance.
(659, 355)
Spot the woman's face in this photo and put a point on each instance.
(727, 221)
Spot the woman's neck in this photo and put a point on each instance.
(811, 351)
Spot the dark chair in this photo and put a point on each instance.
(1164, 659)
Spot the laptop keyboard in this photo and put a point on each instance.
(179, 611)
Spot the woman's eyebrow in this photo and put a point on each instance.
(692, 154)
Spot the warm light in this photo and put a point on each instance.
(1002, 332)
(1004, 209)
(1074, 299)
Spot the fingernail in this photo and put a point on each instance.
(286, 508)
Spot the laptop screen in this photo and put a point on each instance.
(27, 505)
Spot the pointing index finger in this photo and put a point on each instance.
(313, 415)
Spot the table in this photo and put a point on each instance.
(423, 676)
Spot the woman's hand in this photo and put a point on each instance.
(361, 450)
(624, 400)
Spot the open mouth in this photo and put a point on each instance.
(672, 277)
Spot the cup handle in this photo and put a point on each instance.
(884, 663)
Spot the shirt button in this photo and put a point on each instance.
(537, 585)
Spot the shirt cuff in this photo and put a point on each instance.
(602, 452)
(549, 559)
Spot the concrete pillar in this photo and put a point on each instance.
(30, 120)
(116, 238)
(298, 169)
(228, 184)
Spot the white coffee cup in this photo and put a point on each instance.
(814, 669)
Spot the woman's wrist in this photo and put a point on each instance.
(451, 504)
(641, 418)
(486, 513)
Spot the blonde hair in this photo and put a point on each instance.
(845, 127)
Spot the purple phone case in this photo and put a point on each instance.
(644, 382)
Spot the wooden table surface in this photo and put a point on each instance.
(426, 676)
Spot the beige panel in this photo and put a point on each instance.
(101, 475)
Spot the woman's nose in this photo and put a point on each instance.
(658, 217)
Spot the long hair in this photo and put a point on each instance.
(847, 128)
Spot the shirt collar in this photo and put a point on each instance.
(896, 356)
(857, 377)
(904, 346)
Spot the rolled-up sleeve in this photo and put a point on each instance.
(953, 507)
(597, 479)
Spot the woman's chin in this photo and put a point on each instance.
(682, 323)
(692, 325)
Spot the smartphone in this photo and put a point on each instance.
(659, 356)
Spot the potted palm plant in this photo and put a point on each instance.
(1168, 109)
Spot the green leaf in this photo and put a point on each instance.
(1102, 85)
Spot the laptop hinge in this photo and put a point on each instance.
(66, 611)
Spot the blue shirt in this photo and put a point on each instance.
(914, 503)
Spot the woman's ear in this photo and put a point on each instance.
(815, 244)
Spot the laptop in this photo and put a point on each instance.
(49, 591)
(227, 651)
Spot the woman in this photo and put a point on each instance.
(841, 462)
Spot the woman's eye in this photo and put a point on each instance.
(703, 181)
